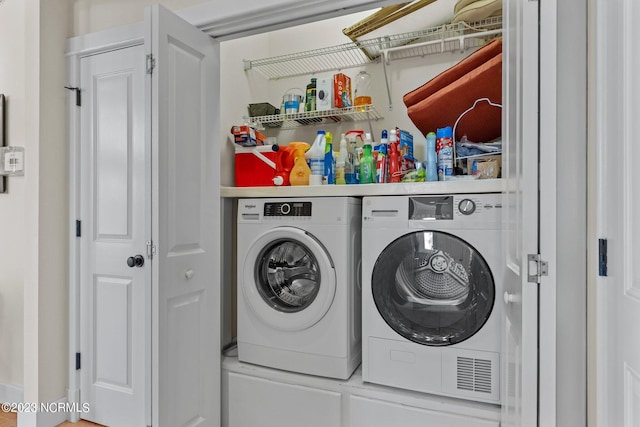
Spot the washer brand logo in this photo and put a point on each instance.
(250, 206)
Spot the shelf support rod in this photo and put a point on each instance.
(386, 77)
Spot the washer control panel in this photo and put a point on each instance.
(288, 209)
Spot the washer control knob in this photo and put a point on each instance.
(467, 206)
(285, 208)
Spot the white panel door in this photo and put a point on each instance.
(182, 125)
(115, 315)
(618, 203)
(520, 132)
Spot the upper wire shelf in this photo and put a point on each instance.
(310, 118)
(363, 52)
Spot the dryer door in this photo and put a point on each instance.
(433, 288)
(289, 279)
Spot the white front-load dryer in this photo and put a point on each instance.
(431, 275)
(299, 299)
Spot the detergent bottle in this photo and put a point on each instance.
(285, 158)
(329, 161)
(300, 171)
(341, 162)
(367, 166)
(315, 158)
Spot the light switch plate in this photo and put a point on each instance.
(11, 161)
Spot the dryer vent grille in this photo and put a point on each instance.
(474, 374)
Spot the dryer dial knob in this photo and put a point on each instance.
(467, 206)
(285, 208)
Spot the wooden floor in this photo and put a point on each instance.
(9, 419)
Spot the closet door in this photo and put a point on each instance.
(183, 88)
(115, 315)
(521, 221)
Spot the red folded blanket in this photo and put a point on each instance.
(449, 76)
(443, 106)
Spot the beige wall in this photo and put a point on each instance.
(47, 26)
(33, 214)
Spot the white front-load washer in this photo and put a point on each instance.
(431, 273)
(299, 291)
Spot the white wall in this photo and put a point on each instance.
(241, 87)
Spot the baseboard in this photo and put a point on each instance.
(57, 413)
(11, 393)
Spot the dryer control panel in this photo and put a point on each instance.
(287, 209)
(480, 211)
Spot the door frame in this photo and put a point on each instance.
(271, 15)
(78, 48)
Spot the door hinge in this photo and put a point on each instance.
(151, 63)
(77, 361)
(541, 268)
(602, 257)
(78, 92)
(151, 249)
(78, 228)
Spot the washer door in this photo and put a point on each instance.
(433, 288)
(289, 279)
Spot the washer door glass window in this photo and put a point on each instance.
(433, 288)
(287, 275)
(288, 279)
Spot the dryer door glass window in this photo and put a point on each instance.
(287, 275)
(433, 288)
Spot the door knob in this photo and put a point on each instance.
(135, 261)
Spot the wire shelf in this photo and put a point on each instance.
(307, 118)
(362, 52)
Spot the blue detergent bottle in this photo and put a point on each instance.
(431, 163)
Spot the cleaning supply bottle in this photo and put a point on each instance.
(315, 158)
(362, 94)
(356, 164)
(350, 163)
(382, 159)
(394, 163)
(310, 103)
(444, 152)
(367, 168)
(341, 162)
(300, 171)
(285, 159)
(328, 176)
(431, 163)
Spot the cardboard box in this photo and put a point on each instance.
(246, 136)
(485, 167)
(342, 91)
(324, 94)
(253, 168)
